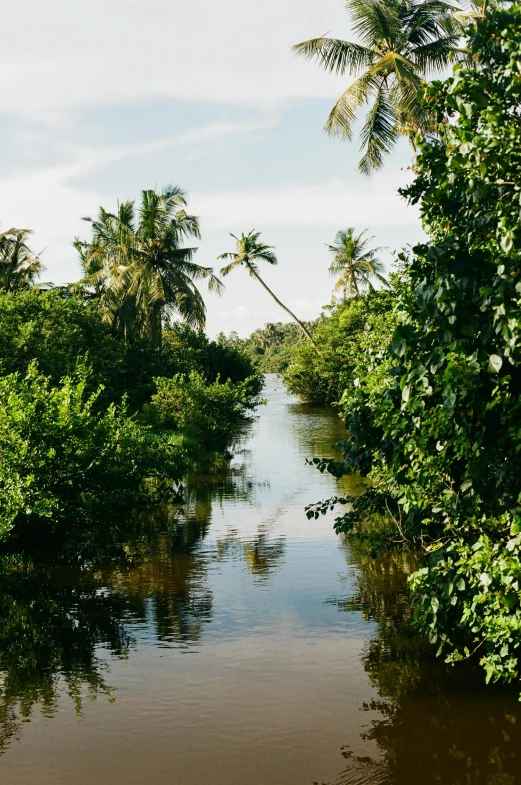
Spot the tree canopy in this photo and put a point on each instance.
(139, 267)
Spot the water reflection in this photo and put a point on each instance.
(144, 577)
(262, 554)
(233, 642)
(49, 630)
(436, 724)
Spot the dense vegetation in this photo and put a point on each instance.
(270, 348)
(434, 422)
(353, 330)
(90, 421)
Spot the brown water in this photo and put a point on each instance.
(232, 642)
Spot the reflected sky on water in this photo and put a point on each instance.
(230, 640)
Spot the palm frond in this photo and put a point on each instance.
(379, 134)
(374, 21)
(434, 56)
(400, 42)
(343, 114)
(335, 55)
(227, 269)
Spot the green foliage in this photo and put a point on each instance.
(185, 350)
(67, 445)
(207, 414)
(60, 458)
(400, 43)
(57, 330)
(437, 431)
(354, 330)
(270, 348)
(140, 270)
(19, 267)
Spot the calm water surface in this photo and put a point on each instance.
(229, 641)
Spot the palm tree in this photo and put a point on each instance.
(139, 269)
(19, 267)
(401, 43)
(249, 250)
(354, 263)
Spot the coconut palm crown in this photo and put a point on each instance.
(354, 264)
(139, 268)
(249, 251)
(401, 42)
(19, 267)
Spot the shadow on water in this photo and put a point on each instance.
(435, 723)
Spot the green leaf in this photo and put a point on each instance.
(485, 580)
(507, 241)
(516, 525)
(496, 362)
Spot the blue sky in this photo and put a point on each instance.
(102, 99)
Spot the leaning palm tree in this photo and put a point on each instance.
(19, 267)
(401, 42)
(139, 269)
(354, 264)
(249, 250)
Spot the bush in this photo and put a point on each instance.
(185, 350)
(207, 414)
(353, 329)
(56, 329)
(60, 458)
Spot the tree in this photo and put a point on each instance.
(139, 269)
(401, 43)
(355, 264)
(248, 252)
(19, 267)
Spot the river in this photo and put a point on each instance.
(227, 640)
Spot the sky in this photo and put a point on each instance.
(103, 99)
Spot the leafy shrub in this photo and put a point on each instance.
(353, 329)
(186, 350)
(207, 414)
(60, 457)
(56, 329)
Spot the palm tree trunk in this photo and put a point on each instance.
(157, 328)
(302, 327)
(355, 282)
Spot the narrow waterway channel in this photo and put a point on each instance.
(230, 641)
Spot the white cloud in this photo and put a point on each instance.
(337, 203)
(77, 54)
(240, 312)
(47, 201)
(305, 308)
